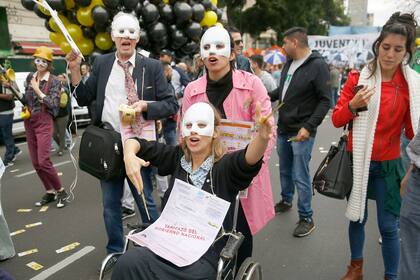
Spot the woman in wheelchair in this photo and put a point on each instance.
(201, 161)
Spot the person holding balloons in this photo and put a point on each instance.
(235, 93)
(114, 78)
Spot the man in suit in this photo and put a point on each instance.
(107, 86)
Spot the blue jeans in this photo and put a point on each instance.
(294, 160)
(169, 132)
(6, 124)
(112, 192)
(410, 228)
(387, 223)
(334, 97)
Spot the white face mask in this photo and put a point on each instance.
(216, 41)
(199, 118)
(40, 62)
(125, 26)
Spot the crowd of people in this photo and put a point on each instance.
(186, 99)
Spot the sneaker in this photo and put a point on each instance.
(61, 199)
(8, 163)
(282, 206)
(305, 227)
(18, 152)
(47, 198)
(109, 265)
(127, 213)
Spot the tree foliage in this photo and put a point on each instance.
(315, 15)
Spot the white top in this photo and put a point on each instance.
(115, 93)
(295, 65)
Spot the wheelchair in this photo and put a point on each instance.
(226, 268)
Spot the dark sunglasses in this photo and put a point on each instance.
(238, 42)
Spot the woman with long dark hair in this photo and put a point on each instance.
(380, 101)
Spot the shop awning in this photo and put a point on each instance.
(30, 47)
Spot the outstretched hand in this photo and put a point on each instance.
(133, 164)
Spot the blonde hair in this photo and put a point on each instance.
(218, 150)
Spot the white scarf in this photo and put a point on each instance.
(364, 127)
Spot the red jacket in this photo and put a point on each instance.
(394, 114)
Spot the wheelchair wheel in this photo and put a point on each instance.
(249, 270)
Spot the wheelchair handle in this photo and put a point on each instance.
(232, 246)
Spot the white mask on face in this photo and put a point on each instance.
(216, 41)
(199, 118)
(125, 26)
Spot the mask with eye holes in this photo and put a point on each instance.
(199, 118)
(125, 26)
(216, 41)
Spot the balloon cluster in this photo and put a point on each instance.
(170, 24)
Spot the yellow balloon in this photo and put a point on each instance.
(418, 41)
(75, 32)
(210, 19)
(214, 2)
(65, 47)
(84, 16)
(165, 1)
(86, 46)
(43, 10)
(219, 24)
(103, 41)
(57, 38)
(95, 3)
(69, 4)
(54, 26)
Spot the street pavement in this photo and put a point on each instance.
(323, 255)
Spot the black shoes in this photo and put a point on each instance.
(47, 198)
(305, 227)
(61, 198)
(282, 206)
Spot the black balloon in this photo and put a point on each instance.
(88, 32)
(207, 4)
(57, 5)
(157, 32)
(193, 31)
(28, 4)
(111, 4)
(39, 13)
(47, 25)
(182, 11)
(144, 39)
(71, 15)
(178, 39)
(83, 3)
(191, 48)
(130, 4)
(198, 12)
(150, 13)
(100, 15)
(166, 13)
(138, 9)
(100, 27)
(172, 28)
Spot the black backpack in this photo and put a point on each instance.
(101, 152)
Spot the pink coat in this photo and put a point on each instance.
(240, 105)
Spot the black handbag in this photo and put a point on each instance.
(334, 177)
(101, 152)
